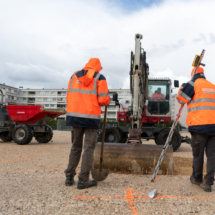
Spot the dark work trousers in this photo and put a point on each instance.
(90, 141)
(201, 143)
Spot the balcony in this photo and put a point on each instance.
(31, 93)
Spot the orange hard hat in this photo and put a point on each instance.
(200, 70)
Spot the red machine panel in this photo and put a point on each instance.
(122, 117)
(29, 114)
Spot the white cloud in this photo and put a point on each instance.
(168, 73)
(43, 42)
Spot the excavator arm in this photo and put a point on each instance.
(139, 89)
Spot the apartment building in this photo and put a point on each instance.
(11, 94)
(56, 98)
(112, 108)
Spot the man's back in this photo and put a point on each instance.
(87, 91)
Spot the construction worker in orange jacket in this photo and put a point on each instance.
(199, 95)
(87, 91)
(158, 96)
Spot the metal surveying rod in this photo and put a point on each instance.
(196, 63)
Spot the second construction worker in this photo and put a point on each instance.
(199, 94)
(86, 92)
(158, 96)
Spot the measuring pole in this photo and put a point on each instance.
(196, 63)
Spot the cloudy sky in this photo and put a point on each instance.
(42, 42)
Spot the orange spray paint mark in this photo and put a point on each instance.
(175, 197)
(128, 198)
(2, 151)
(14, 160)
(101, 197)
(29, 155)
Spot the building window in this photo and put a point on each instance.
(127, 93)
(46, 99)
(31, 99)
(23, 92)
(61, 93)
(39, 93)
(9, 90)
(46, 93)
(50, 99)
(22, 99)
(111, 107)
(61, 99)
(11, 97)
(38, 99)
(61, 106)
(32, 93)
(121, 93)
(111, 113)
(53, 93)
(15, 91)
(53, 106)
(46, 105)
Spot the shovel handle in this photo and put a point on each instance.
(103, 136)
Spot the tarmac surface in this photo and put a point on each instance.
(32, 182)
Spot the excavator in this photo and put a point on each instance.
(149, 105)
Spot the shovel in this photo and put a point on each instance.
(101, 174)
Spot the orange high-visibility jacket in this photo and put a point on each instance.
(157, 97)
(199, 94)
(87, 91)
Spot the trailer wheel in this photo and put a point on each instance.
(22, 134)
(112, 135)
(175, 142)
(6, 136)
(44, 137)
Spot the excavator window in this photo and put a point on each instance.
(158, 97)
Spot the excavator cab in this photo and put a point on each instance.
(159, 97)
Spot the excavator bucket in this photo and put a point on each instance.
(137, 159)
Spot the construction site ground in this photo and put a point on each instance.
(32, 182)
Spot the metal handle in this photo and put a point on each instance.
(103, 137)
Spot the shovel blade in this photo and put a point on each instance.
(99, 175)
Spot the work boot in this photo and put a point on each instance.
(69, 180)
(205, 186)
(82, 184)
(194, 181)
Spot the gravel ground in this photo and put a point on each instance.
(32, 182)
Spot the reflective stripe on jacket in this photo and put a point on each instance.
(87, 91)
(199, 94)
